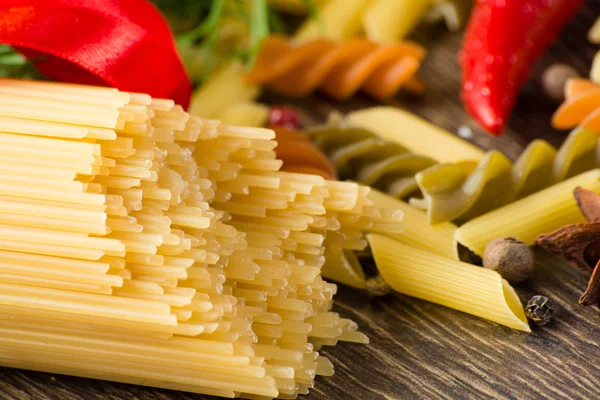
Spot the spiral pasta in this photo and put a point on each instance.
(383, 21)
(360, 154)
(581, 106)
(452, 190)
(337, 69)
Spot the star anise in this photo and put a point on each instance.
(579, 243)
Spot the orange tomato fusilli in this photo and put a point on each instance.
(337, 69)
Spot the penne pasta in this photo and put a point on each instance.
(432, 277)
(338, 20)
(438, 238)
(389, 20)
(416, 135)
(525, 219)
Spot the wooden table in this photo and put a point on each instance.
(418, 349)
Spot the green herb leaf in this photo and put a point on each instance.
(259, 28)
(208, 26)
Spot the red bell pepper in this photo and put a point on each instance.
(503, 40)
(122, 43)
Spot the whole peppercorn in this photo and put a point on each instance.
(555, 78)
(510, 257)
(539, 310)
(377, 286)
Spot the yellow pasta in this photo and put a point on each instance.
(359, 154)
(225, 88)
(380, 20)
(244, 114)
(295, 6)
(414, 133)
(595, 70)
(172, 252)
(389, 20)
(594, 32)
(453, 12)
(368, 147)
(344, 267)
(464, 287)
(417, 231)
(525, 219)
(338, 20)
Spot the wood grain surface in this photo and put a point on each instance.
(418, 349)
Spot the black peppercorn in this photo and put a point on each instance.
(539, 310)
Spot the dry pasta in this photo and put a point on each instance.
(595, 70)
(337, 69)
(453, 12)
(388, 20)
(470, 182)
(226, 88)
(244, 114)
(582, 100)
(417, 231)
(473, 190)
(361, 155)
(464, 287)
(594, 32)
(416, 134)
(338, 20)
(379, 20)
(525, 219)
(143, 245)
(295, 6)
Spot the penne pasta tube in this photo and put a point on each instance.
(525, 219)
(389, 20)
(416, 134)
(432, 277)
(438, 238)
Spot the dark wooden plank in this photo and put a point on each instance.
(418, 349)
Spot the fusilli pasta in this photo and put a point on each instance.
(453, 190)
(581, 106)
(337, 69)
(361, 155)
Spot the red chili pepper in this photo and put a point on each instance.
(503, 40)
(122, 43)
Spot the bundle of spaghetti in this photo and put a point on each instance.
(368, 147)
(336, 69)
(277, 277)
(139, 244)
(141, 260)
(380, 20)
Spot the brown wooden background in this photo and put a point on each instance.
(418, 349)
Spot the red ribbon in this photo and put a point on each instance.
(121, 43)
